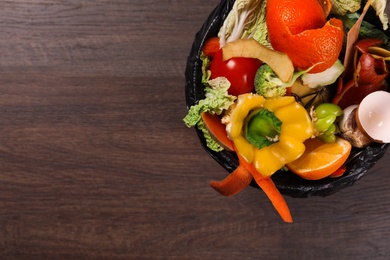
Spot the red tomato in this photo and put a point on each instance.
(240, 72)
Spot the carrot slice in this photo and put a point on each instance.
(269, 188)
(235, 182)
(217, 130)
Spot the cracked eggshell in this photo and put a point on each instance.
(373, 116)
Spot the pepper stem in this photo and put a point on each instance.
(263, 128)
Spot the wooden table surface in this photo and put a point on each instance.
(96, 162)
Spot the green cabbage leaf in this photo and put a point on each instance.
(216, 101)
(245, 20)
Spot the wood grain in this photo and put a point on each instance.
(96, 162)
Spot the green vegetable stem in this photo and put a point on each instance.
(263, 128)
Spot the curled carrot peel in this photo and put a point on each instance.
(277, 200)
(242, 176)
(269, 188)
(235, 182)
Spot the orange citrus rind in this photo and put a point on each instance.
(321, 159)
(300, 29)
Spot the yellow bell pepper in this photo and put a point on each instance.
(296, 127)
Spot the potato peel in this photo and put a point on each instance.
(279, 62)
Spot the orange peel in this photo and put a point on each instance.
(300, 29)
(321, 159)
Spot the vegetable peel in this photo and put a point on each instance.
(267, 185)
(235, 182)
(352, 37)
(250, 48)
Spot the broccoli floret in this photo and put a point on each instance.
(268, 84)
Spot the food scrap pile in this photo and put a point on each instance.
(293, 85)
